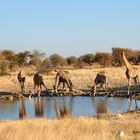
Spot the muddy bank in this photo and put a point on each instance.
(111, 92)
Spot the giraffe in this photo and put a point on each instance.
(131, 73)
(21, 81)
(63, 77)
(38, 81)
(101, 81)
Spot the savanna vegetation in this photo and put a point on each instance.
(68, 128)
(10, 60)
(124, 127)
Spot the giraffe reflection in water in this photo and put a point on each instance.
(100, 105)
(22, 109)
(64, 110)
(130, 105)
(39, 112)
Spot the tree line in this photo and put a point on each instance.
(10, 59)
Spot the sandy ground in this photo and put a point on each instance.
(81, 78)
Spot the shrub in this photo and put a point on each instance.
(4, 68)
(57, 60)
(7, 55)
(72, 60)
(22, 58)
(104, 59)
(87, 58)
(44, 66)
(132, 56)
(36, 58)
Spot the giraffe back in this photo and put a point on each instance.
(64, 74)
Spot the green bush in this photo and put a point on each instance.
(87, 58)
(36, 58)
(44, 66)
(58, 60)
(104, 59)
(4, 68)
(72, 60)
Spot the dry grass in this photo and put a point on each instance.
(71, 129)
(81, 78)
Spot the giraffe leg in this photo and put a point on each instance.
(94, 91)
(22, 87)
(38, 90)
(63, 88)
(44, 85)
(130, 104)
(40, 85)
(100, 86)
(104, 88)
(71, 85)
(67, 82)
(57, 87)
(136, 105)
(129, 84)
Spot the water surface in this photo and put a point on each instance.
(52, 107)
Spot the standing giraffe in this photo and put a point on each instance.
(131, 73)
(21, 81)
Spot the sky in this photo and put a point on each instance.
(69, 27)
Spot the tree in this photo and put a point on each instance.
(7, 54)
(57, 60)
(22, 58)
(45, 66)
(132, 56)
(138, 57)
(104, 59)
(4, 67)
(87, 58)
(36, 58)
(72, 60)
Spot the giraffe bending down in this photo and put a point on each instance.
(63, 77)
(21, 81)
(100, 81)
(38, 82)
(131, 73)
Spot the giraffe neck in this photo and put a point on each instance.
(128, 65)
